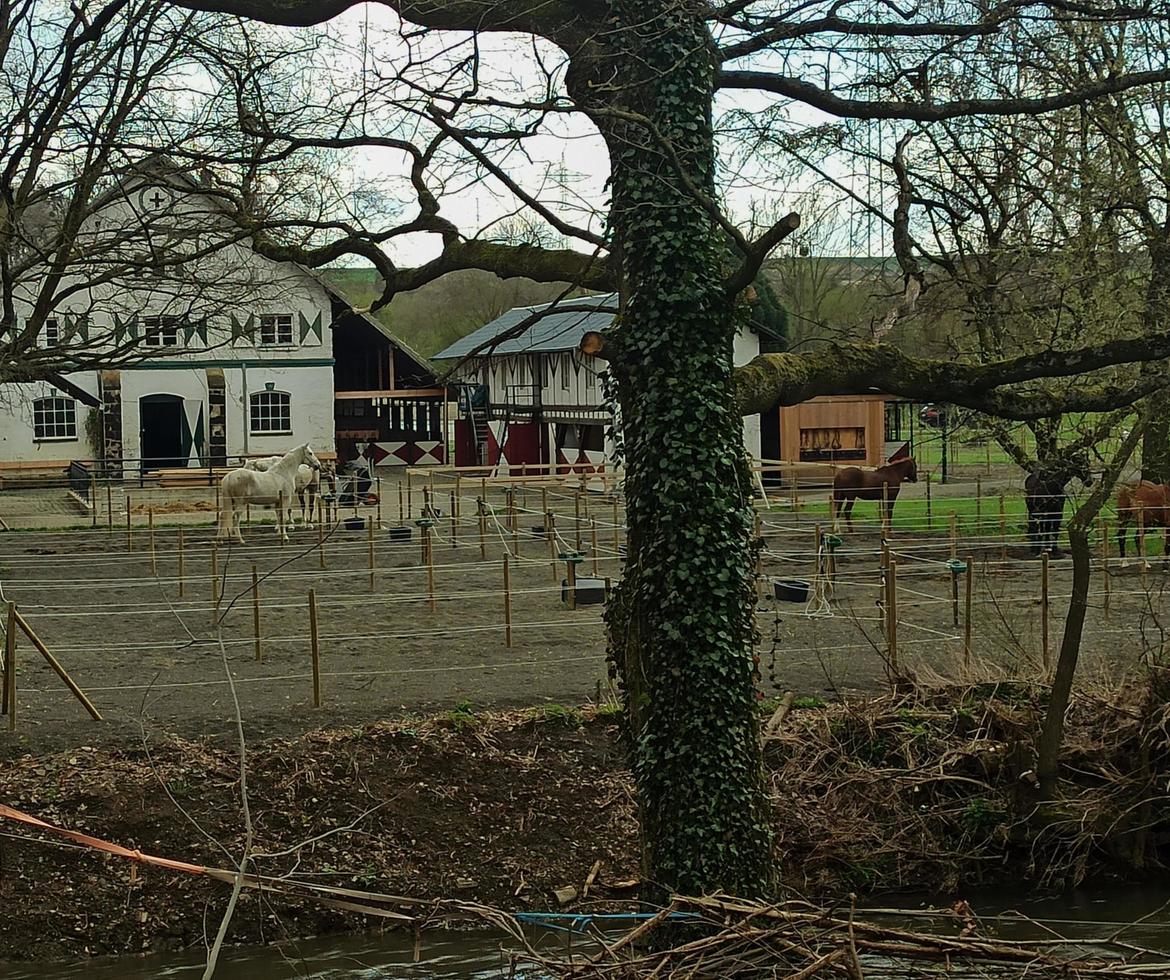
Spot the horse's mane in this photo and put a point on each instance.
(898, 463)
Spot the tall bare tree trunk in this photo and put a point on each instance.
(1052, 732)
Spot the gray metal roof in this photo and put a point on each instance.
(561, 329)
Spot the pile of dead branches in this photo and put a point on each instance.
(938, 784)
(721, 937)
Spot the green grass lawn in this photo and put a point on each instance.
(970, 448)
(974, 519)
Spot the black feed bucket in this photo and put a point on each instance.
(792, 590)
(354, 523)
(400, 533)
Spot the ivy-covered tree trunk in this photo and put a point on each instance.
(681, 621)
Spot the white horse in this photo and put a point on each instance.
(308, 486)
(268, 489)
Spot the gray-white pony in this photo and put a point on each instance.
(308, 486)
(264, 489)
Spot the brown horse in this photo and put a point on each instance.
(853, 483)
(1144, 505)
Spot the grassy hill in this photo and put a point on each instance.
(439, 313)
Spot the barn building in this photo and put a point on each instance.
(532, 396)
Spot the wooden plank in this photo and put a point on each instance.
(391, 393)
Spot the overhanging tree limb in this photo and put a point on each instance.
(852, 369)
(827, 101)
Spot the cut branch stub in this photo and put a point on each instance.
(593, 344)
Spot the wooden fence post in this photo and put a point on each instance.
(10, 667)
(550, 533)
(892, 614)
(979, 506)
(60, 671)
(129, 541)
(256, 609)
(954, 597)
(370, 547)
(507, 604)
(482, 508)
(409, 495)
(1105, 563)
(401, 515)
(1002, 528)
(885, 509)
(1044, 609)
(428, 544)
(571, 582)
(929, 516)
(214, 583)
(967, 613)
(593, 542)
(109, 506)
(954, 536)
(315, 648)
(577, 516)
(153, 554)
(378, 493)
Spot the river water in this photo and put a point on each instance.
(1087, 913)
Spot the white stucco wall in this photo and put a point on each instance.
(17, 442)
(747, 348)
(190, 385)
(311, 405)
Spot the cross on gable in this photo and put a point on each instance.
(156, 199)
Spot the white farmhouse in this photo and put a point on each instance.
(532, 397)
(241, 359)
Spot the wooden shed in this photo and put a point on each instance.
(830, 429)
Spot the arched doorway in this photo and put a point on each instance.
(161, 425)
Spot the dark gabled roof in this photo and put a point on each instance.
(560, 329)
(321, 278)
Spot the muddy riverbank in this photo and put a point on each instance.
(919, 790)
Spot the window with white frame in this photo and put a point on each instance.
(160, 331)
(271, 412)
(54, 418)
(52, 332)
(276, 330)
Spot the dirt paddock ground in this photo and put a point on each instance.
(151, 659)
